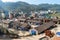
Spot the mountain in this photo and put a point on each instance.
(25, 7)
(1, 3)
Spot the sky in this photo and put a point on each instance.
(35, 1)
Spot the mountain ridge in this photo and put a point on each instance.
(26, 7)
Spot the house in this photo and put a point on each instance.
(43, 12)
(34, 14)
(2, 14)
(44, 27)
(25, 27)
(46, 12)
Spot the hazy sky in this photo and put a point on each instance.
(35, 1)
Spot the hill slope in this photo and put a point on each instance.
(25, 7)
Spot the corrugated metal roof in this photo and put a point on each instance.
(43, 27)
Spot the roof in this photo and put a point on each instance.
(6, 21)
(43, 27)
(24, 25)
(33, 20)
(55, 19)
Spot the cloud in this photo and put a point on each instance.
(18, 0)
(8, 0)
(35, 1)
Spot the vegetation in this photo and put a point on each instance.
(52, 15)
(25, 7)
(56, 15)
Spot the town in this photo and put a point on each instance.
(22, 25)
